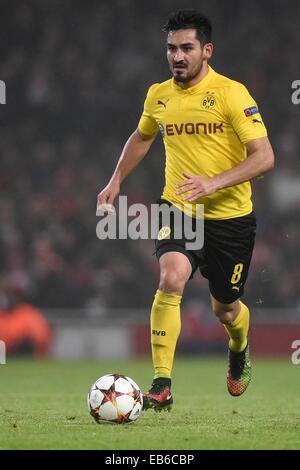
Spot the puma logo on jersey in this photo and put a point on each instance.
(158, 332)
(162, 103)
(236, 288)
(257, 120)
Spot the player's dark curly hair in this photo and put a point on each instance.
(190, 19)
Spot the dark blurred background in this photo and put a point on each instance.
(76, 75)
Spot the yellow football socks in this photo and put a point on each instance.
(165, 329)
(238, 330)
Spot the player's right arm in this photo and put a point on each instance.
(133, 152)
(135, 149)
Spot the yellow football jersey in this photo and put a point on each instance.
(205, 129)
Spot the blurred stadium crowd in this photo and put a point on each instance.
(76, 76)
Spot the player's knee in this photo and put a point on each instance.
(224, 314)
(172, 282)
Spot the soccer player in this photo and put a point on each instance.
(215, 142)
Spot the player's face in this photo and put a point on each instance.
(186, 55)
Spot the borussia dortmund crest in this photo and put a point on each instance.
(163, 233)
(209, 101)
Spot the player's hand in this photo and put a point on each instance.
(197, 186)
(106, 198)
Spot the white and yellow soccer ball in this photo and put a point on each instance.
(116, 399)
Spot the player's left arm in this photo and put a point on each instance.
(260, 159)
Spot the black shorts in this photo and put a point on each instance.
(225, 256)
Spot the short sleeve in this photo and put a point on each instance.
(147, 124)
(244, 114)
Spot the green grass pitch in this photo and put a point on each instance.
(43, 406)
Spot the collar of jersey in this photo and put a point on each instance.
(196, 88)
